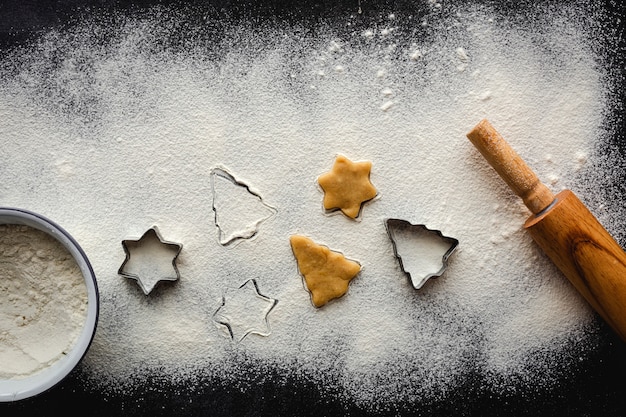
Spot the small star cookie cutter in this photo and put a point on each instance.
(422, 252)
(148, 276)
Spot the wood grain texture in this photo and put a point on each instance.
(586, 254)
(565, 230)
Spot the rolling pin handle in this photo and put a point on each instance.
(511, 167)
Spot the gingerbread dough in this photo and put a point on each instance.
(327, 274)
(347, 186)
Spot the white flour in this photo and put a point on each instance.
(111, 136)
(43, 301)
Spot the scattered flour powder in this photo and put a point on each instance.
(43, 301)
(114, 125)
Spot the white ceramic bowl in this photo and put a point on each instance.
(17, 389)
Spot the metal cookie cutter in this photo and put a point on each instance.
(150, 265)
(423, 253)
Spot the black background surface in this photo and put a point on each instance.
(595, 385)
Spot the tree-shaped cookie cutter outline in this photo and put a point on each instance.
(400, 223)
(226, 174)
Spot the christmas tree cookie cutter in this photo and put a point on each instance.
(422, 252)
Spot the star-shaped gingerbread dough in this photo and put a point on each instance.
(347, 186)
(327, 274)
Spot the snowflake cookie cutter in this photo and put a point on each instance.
(148, 260)
(422, 252)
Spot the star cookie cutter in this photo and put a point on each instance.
(149, 276)
(422, 252)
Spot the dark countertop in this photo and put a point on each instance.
(593, 386)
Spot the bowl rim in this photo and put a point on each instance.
(17, 389)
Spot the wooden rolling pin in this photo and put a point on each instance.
(564, 229)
